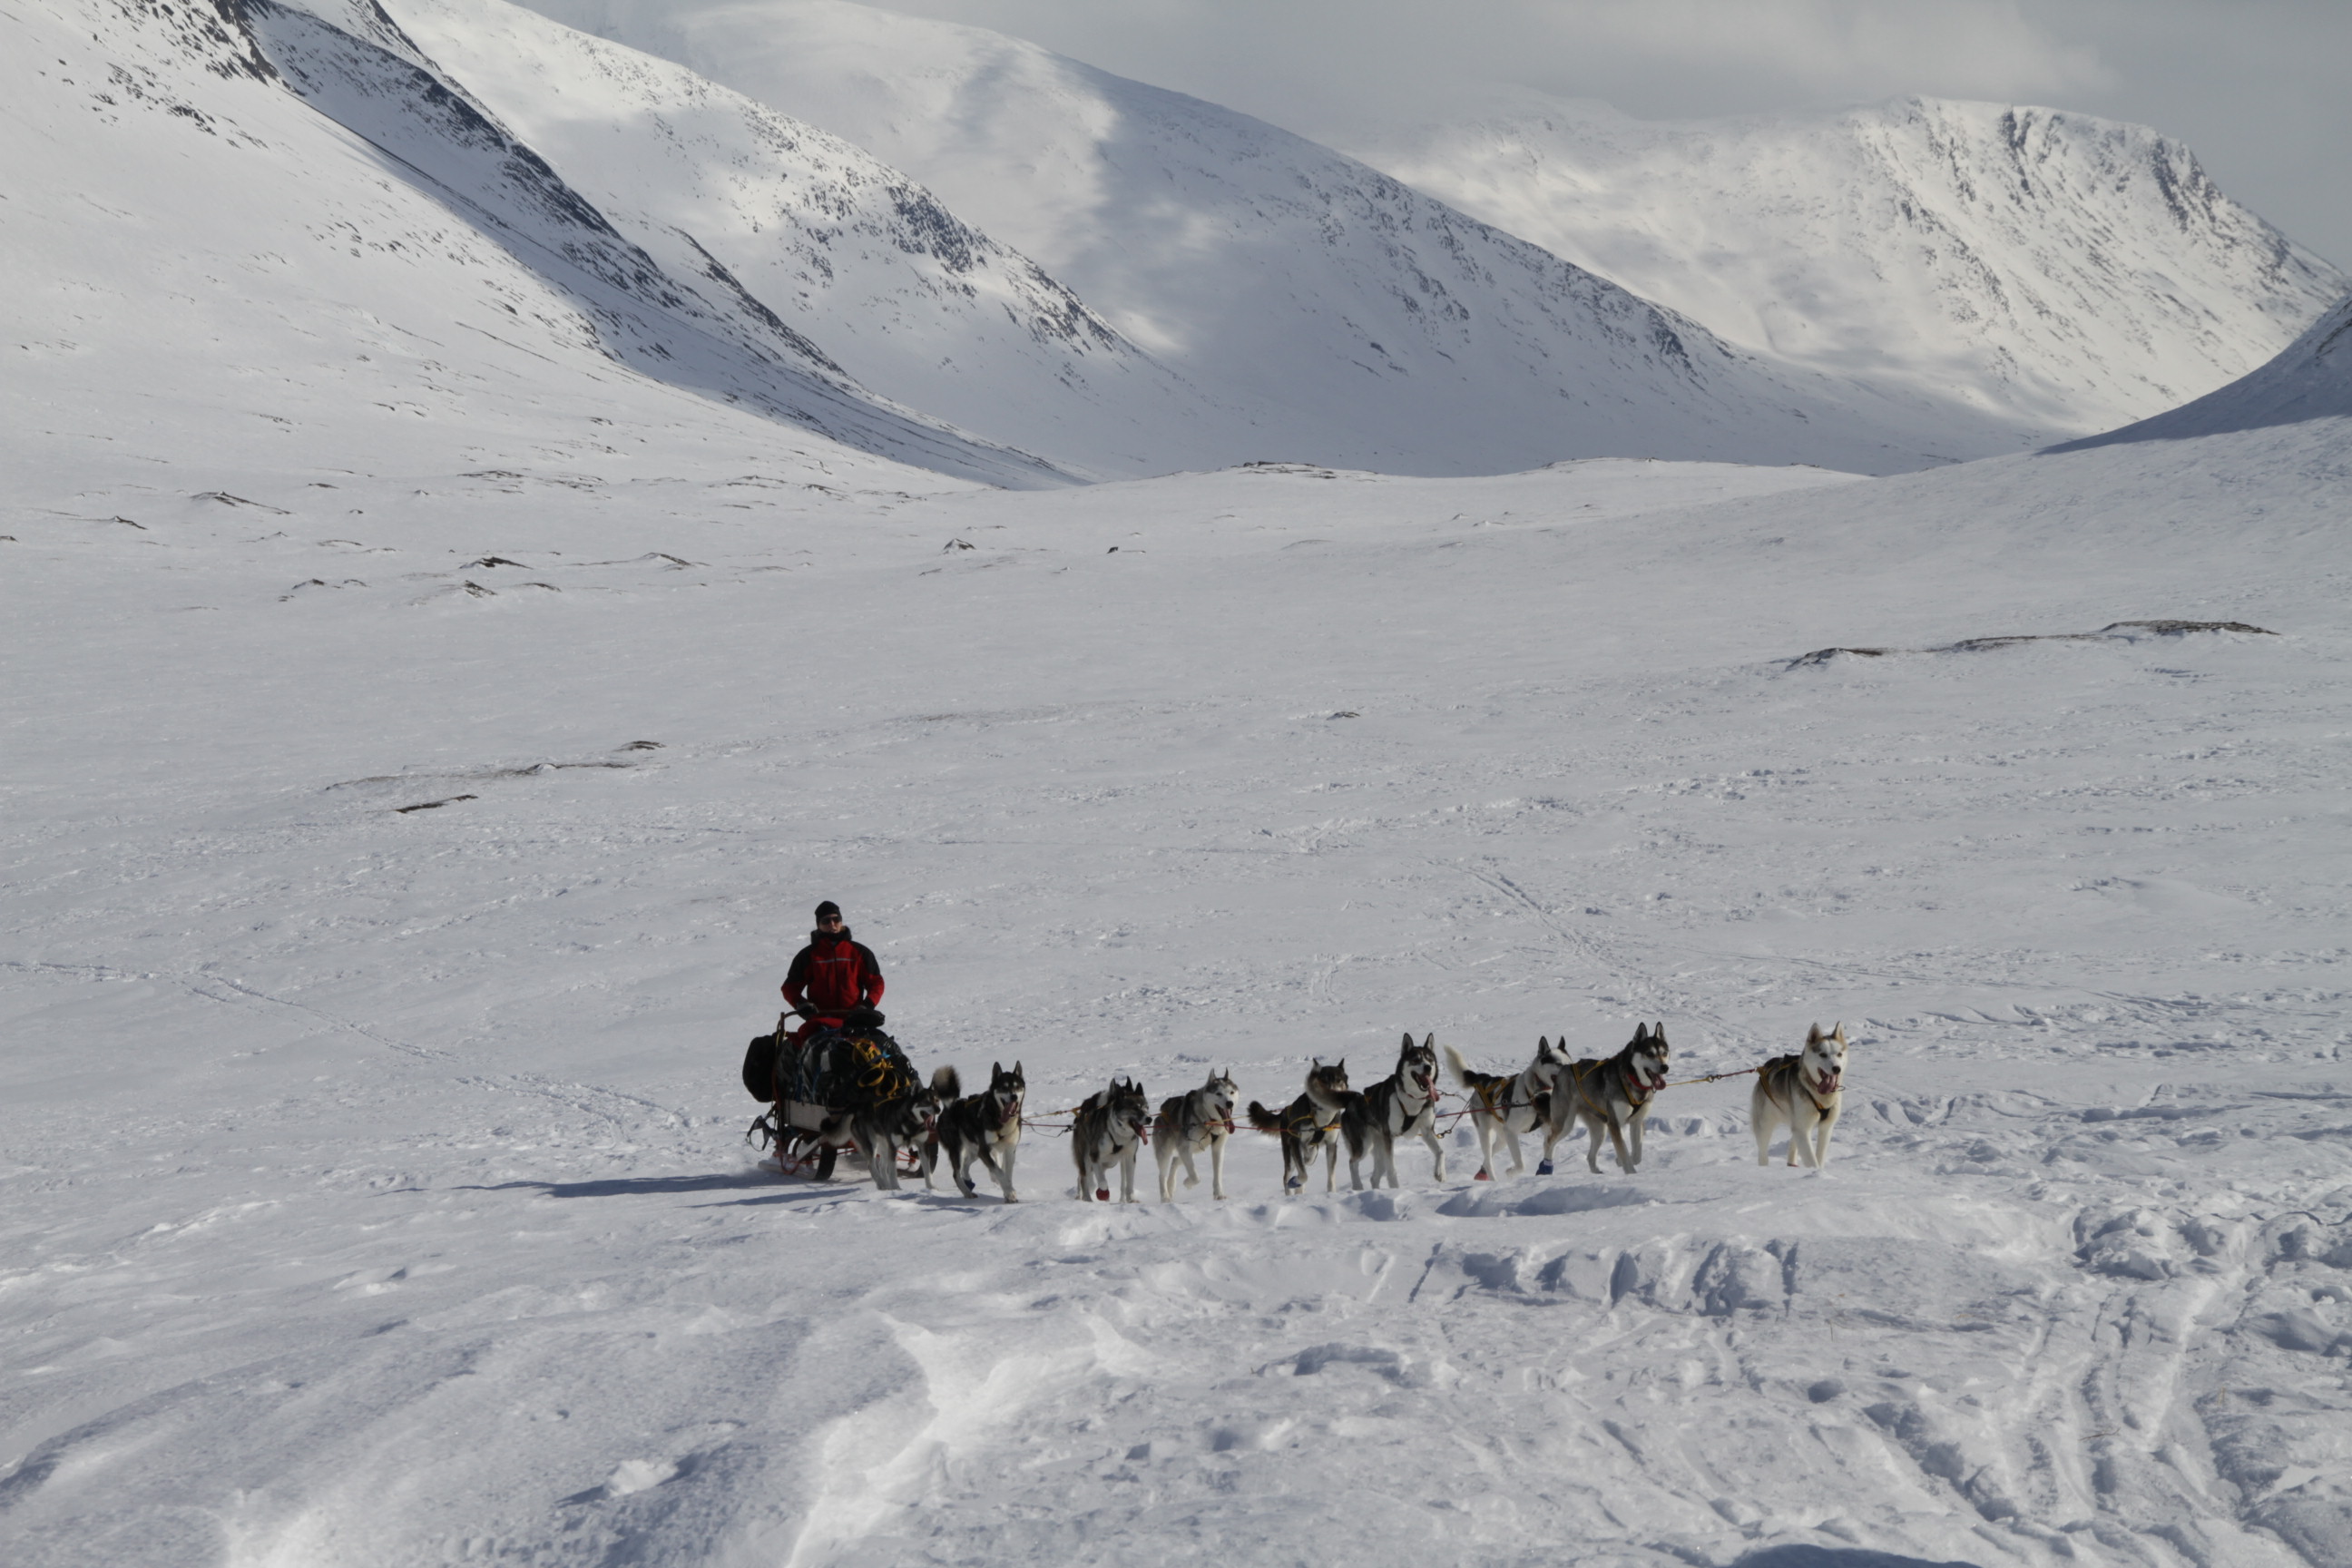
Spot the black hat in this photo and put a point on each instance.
(826, 910)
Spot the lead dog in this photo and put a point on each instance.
(883, 1129)
(1504, 1105)
(1109, 1129)
(1309, 1122)
(1203, 1119)
(985, 1127)
(1610, 1095)
(1403, 1104)
(1805, 1090)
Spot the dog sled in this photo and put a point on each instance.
(815, 1087)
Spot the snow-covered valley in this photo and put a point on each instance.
(374, 1185)
(451, 639)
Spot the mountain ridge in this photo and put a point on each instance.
(2064, 272)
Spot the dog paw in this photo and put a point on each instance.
(1544, 1169)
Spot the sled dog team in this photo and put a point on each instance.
(1610, 1096)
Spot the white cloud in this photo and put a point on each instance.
(2256, 86)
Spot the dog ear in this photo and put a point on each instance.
(1838, 1034)
(1813, 1036)
(1408, 1040)
(1428, 1041)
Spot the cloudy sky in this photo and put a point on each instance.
(2258, 87)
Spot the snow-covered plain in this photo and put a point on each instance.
(374, 1186)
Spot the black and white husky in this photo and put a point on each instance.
(1188, 1124)
(1401, 1105)
(1611, 1096)
(1109, 1131)
(1504, 1105)
(1806, 1091)
(985, 1127)
(1309, 1122)
(883, 1130)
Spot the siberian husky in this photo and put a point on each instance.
(1806, 1091)
(1403, 1104)
(1504, 1105)
(904, 1122)
(1109, 1129)
(1308, 1123)
(1203, 1118)
(1610, 1095)
(985, 1127)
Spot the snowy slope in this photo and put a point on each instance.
(204, 263)
(2060, 272)
(914, 302)
(1383, 329)
(2310, 380)
(371, 1190)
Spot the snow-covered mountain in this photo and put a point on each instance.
(1377, 328)
(234, 225)
(914, 302)
(2062, 272)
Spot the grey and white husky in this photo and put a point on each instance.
(1807, 1092)
(1109, 1131)
(1203, 1118)
(1401, 1105)
(985, 1127)
(1611, 1096)
(884, 1129)
(1504, 1105)
(1309, 1122)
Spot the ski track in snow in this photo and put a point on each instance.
(373, 1185)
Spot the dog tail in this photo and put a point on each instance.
(946, 1085)
(1463, 1072)
(1262, 1119)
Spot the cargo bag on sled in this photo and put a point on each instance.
(853, 1068)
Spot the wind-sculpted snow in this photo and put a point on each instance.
(374, 1184)
(1351, 320)
(2058, 272)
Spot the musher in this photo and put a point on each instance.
(833, 976)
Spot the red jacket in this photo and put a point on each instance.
(832, 974)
